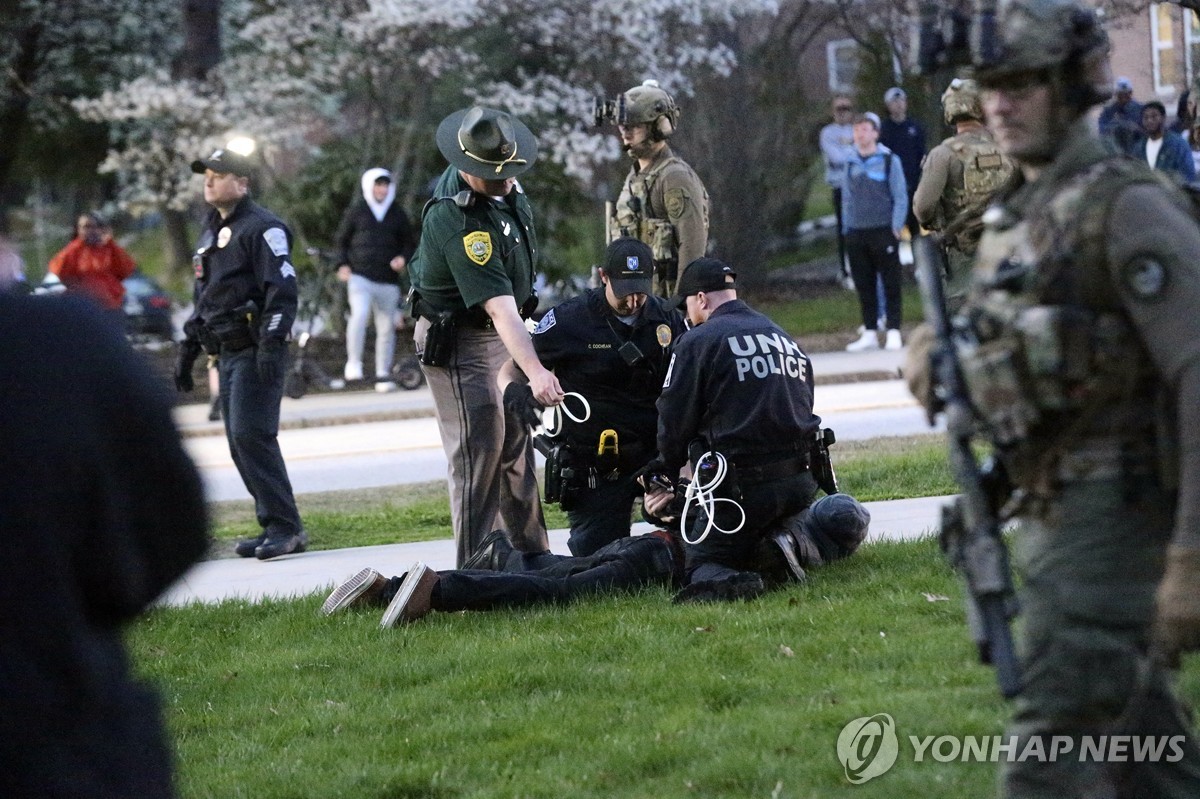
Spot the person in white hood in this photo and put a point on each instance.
(374, 242)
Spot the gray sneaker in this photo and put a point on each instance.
(414, 599)
(362, 590)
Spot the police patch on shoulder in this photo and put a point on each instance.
(546, 322)
(478, 245)
(675, 200)
(1146, 278)
(276, 240)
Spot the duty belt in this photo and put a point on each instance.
(754, 471)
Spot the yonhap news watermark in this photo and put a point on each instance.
(869, 746)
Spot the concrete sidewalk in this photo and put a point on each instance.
(352, 407)
(299, 575)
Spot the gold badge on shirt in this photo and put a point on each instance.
(223, 236)
(663, 332)
(478, 246)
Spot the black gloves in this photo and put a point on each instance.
(189, 351)
(272, 354)
(519, 402)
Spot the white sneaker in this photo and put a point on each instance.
(354, 370)
(386, 387)
(867, 341)
(893, 340)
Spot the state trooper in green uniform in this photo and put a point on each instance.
(472, 280)
(958, 179)
(1079, 351)
(663, 201)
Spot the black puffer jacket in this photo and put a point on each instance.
(369, 245)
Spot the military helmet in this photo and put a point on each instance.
(961, 101)
(1033, 36)
(649, 105)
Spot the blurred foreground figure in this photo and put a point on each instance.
(100, 510)
(1079, 355)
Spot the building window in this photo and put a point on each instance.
(842, 57)
(1191, 40)
(1166, 64)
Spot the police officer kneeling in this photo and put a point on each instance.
(245, 299)
(611, 346)
(737, 403)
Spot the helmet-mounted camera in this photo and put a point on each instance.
(647, 104)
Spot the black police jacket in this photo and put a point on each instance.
(582, 340)
(742, 384)
(245, 257)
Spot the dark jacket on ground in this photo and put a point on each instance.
(100, 510)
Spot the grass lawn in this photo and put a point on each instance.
(624, 696)
(887, 468)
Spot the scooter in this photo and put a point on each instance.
(305, 371)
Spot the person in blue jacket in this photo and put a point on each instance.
(874, 207)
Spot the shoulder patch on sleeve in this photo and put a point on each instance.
(287, 270)
(478, 245)
(276, 239)
(1146, 278)
(548, 321)
(676, 201)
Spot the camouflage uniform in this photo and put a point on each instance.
(666, 204)
(958, 178)
(1078, 349)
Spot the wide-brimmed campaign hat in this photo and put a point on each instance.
(486, 143)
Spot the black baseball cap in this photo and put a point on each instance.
(704, 274)
(629, 265)
(225, 162)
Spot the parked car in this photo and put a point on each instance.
(147, 310)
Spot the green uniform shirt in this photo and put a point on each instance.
(469, 254)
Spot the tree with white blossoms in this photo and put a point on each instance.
(53, 51)
(299, 74)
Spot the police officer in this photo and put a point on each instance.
(1081, 358)
(740, 388)
(472, 285)
(663, 202)
(958, 178)
(245, 303)
(611, 345)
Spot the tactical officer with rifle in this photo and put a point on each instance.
(610, 346)
(958, 179)
(472, 280)
(663, 201)
(736, 405)
(245, 303)
(1075, 354)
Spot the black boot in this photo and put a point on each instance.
(275, 545)
(245, 548)
(214, 413)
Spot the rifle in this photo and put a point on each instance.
(970, 534)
